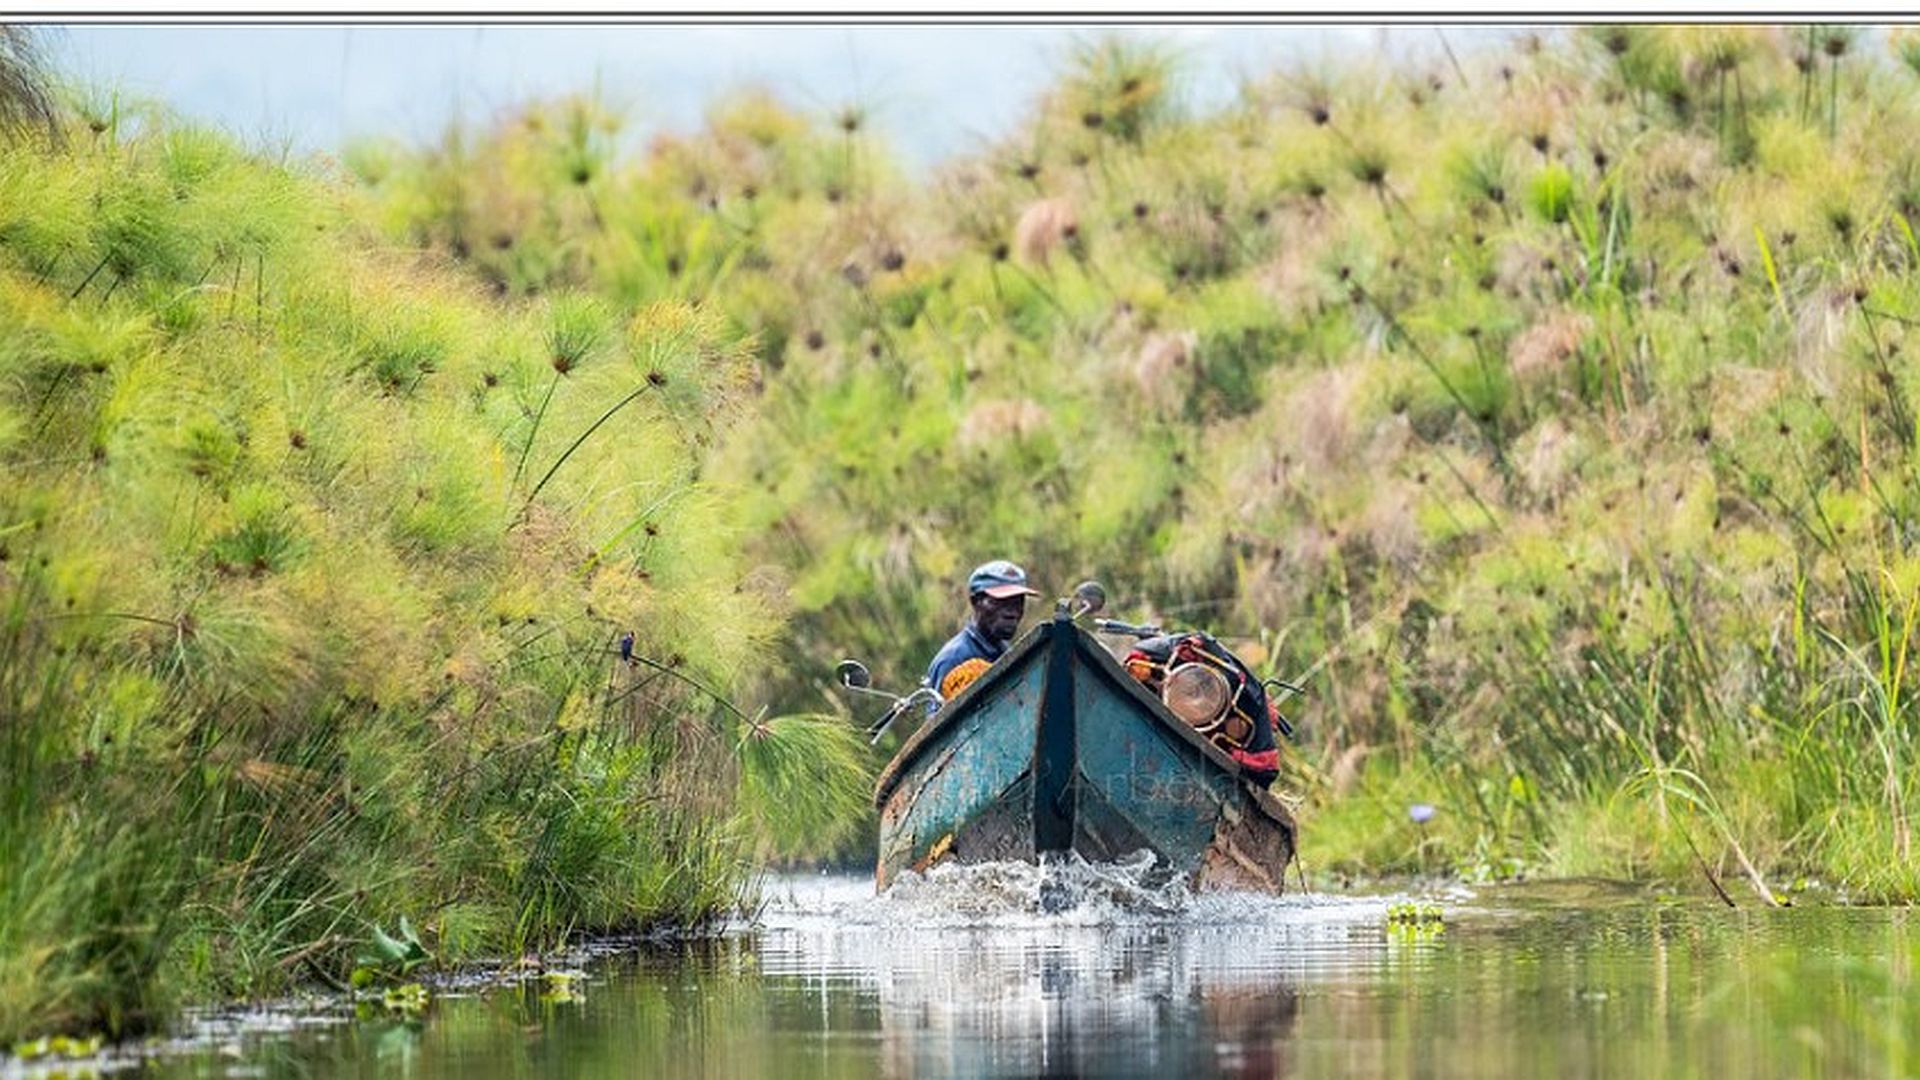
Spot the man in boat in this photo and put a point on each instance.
(997, 592)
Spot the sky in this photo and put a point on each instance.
(932, 92)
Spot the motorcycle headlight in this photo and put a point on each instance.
(1196, 693)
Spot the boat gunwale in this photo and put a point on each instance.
(950, 712)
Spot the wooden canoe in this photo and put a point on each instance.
(1057, 749)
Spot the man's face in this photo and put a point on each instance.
(998, 619)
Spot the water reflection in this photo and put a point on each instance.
(969, 979)
(1070, 1002)
(962, 977)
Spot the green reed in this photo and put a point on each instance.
(273, 676)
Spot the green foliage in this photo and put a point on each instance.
(1484, 172)
(1411, 921)
(265, 536)
(578, 329)
(804, 776)
(1551, 194)
(26, 91)
(1591, 518)
(391, 956)
(90, 887)
(1532, 459)
(289, 652)
(1118, 87)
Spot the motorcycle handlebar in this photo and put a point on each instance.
(1115, 626)
(900, 706)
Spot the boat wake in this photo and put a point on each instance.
(966, 952)
(1071, 888)
(1069, 891)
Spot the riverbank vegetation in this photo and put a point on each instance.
(1545, 407)
(315, 564)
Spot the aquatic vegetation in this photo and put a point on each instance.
(312, 564)
(1415, 922)
(563, 987)
(1413, 911)
(55, 1047)
(390, 955)
(409, 1000)
(1572, 466)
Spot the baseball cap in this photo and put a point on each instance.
(999, 579)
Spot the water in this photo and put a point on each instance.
(959, 974)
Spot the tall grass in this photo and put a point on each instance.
(292, 648)
(26, 85)
(1576, 467)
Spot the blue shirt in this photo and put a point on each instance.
(968, 644)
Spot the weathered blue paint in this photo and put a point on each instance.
(1163, 786)
(968, 766)
(1057, 748)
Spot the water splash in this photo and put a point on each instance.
(1069, 892)
(1072, 891)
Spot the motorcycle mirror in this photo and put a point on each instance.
(853, 675)
(1089, 597)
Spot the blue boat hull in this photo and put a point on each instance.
(1057, 749)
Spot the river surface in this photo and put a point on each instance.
(959, 974)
